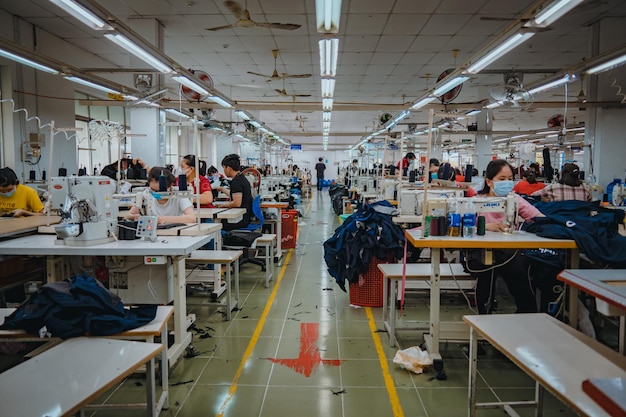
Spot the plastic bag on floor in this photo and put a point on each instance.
(414, 359)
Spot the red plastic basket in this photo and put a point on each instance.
(289, 236)
(368, 292)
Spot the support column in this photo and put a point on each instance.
(482, 147)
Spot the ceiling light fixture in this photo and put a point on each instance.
(554, 12)
(191, 84)
(449, 85)
(221, 101)
(329, 50)
(27, 62)
(139, 52)
(498, 51)
(550, 85)
(328, 87)
(177, 113)
(421, 103)
(494, 105)
(90, 84)
(82, 14)
(328, 13)
(473, 112)
(327, 104)
(325, 125)
(615, 62)
(326, 116)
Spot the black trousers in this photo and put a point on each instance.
(512, 267)
(320, 181)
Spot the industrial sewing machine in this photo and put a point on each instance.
(88, 210)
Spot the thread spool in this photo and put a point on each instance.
(443, 226)
(434, 226)
(62, 172)
(43, 175)
(481, 226)
(426, 226)
(162, 182)
(182, 182)
(31, 175)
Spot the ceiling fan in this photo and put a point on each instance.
(275, 75)
(283, 92)
(244, 21)
(512, 93)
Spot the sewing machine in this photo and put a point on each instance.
(471, 205)
(88, 210)
(412, 200)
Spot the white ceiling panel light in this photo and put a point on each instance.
(328, 13)
(449, 85)
(243, 114)
(553, 84)
(613, 63)
(498, 51)
(554, 11)
(421, 103)
(227, 104)
(191, 84)
(327, 104)
(28, 62)
(326, 116)
(329, 50)
(139, 52)
(328, 87)
(91, 84)
(82, 14)
(177, 113)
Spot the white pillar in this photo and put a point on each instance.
(484, 122)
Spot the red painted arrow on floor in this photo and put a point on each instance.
(309, 358)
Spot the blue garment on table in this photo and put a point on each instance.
(75, 307)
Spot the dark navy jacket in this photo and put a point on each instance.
(75, 307)
(368, 233)
(594, 228)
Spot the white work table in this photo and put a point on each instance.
(490, 241)
(278, 230)
(175, 248)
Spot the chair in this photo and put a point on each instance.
(248, 255)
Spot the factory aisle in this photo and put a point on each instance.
(299, 349)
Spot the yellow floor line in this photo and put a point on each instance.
(257, 331)
(391, 388)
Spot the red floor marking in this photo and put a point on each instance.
(309, 358)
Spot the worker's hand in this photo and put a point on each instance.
(140, 162)
(497, 227)
(20, 213)
(129, 216)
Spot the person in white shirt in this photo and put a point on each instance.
(167, 210)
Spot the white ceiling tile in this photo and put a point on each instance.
(405, 24)
(448, 24)
(365, 24)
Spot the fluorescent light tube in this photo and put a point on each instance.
(26, 61)
(82, 14)
(191, 84)
(90, 84)
(328, 13)
(449, 85)
(473, 112)
(498, 51)
(545, 132)
(565, 79)
(519, 136)
(554, 12)
(139, 52)
(328, 87)
(329, 49)
(326, 116)
(255, 124)
(325, 125)
(221, 101)
(400, 116)
(421, 103)
(615, 62)
(327, 104)
(493, 105)
(243, 114)
(177, 113)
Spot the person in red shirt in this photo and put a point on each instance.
(407, 163)
(188, 167)
(528, 184)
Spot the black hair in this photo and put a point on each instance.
(211, 170)
(191, 161)
(155, 173)
(355, 160)
(410, 155)
(8, 177)
(232, 160)
(492, 170)
(570, 175)
(474, 172)
(320, 159)
(446, 172)
(531, 176)
(434, 161)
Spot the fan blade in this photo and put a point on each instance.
(256, 73)
(497, 18)
(298, 75)
(286, 26)
(301, 95)
(221, 27)
(235, 8)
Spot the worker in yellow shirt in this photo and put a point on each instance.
(17, 200)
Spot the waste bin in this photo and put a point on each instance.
(289, 219)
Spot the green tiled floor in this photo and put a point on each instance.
(357, 387)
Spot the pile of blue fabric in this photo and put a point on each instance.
(368, 233)
(593, 227)
(75, 307)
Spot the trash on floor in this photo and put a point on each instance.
(414, 359)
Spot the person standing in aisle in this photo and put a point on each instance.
(17, 200)
(320, 167)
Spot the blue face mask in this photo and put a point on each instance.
(9, 194)
(155, 195)
(502, 188)
(434, 175)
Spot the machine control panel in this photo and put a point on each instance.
(147, 228)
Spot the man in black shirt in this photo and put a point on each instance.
(240, 192)
(320, 167)
(137, 169)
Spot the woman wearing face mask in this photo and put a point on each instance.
(171, 210)
(508, 264)
(188, 167)
(17, 200)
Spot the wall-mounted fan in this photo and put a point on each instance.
(189, 94)
(275, 75)
(244, 20)
(512, 92)
(452, 94)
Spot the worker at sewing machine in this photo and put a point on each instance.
(17, 200)
(569, 187)
(508, 264)
(130, 169)
(171, 210)
(188, 167)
